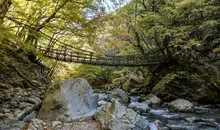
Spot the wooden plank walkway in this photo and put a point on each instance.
(87, 57)
(68, 55)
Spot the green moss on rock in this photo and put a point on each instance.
(192, 87)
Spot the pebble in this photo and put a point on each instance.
(6, 110)
(56, 123)
(34, 100)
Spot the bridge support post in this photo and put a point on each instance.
(91, 54)
(77, 58)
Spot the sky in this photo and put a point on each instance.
(112, 5)
(109, 5)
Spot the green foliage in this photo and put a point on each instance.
(93, 72)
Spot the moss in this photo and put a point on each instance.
(118, 82)
(127, 85)
(17, 70)
(193, 87)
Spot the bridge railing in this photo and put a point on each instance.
(90, 58)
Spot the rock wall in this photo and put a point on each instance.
(22, 83)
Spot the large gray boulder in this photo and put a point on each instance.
(181, 105)
(115, 116)
(71, 99)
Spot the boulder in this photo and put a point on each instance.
(71, 99)
(193, 87)
(119, 94)
(153, 99)
(115, 116)
(181, 105)
(139, 107)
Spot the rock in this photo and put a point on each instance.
(201, 110)
(181, 105)
(158, 123)
(114, 116)
(8, 97)
(186, 85)
(158, 112)
(30, 116)
(14, 104)
(102, 96)
(191, 119)
(70, 100)
(119, 94)
(153, 99)
(102, 103)
(153, 126)
(36, 124)
(182, 126)
(56, 124)
(139, 107)
(34, 100)
(2, 116)
(142, 124)
(24, 105)
(85, 125)
(9, 116)
(6, 110)
(217, 105)
(172, 116)
(109, 87)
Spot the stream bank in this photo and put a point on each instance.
(72, 102)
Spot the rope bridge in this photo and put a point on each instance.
(66, 54)
(87, 57)
(69, 53)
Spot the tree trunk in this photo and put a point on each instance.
(4, 7)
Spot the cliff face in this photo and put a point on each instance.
(22, 82)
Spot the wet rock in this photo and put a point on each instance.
(119, 94)
(217, 105)
(70, 100)
(139, 107)
(158, 123)
(182, 105)
(173, 116)
(153, 126)
(141, 124)
(201, 110)
(158, 112)
(182, 126)
(191, 119)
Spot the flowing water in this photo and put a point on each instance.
(204, 117)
